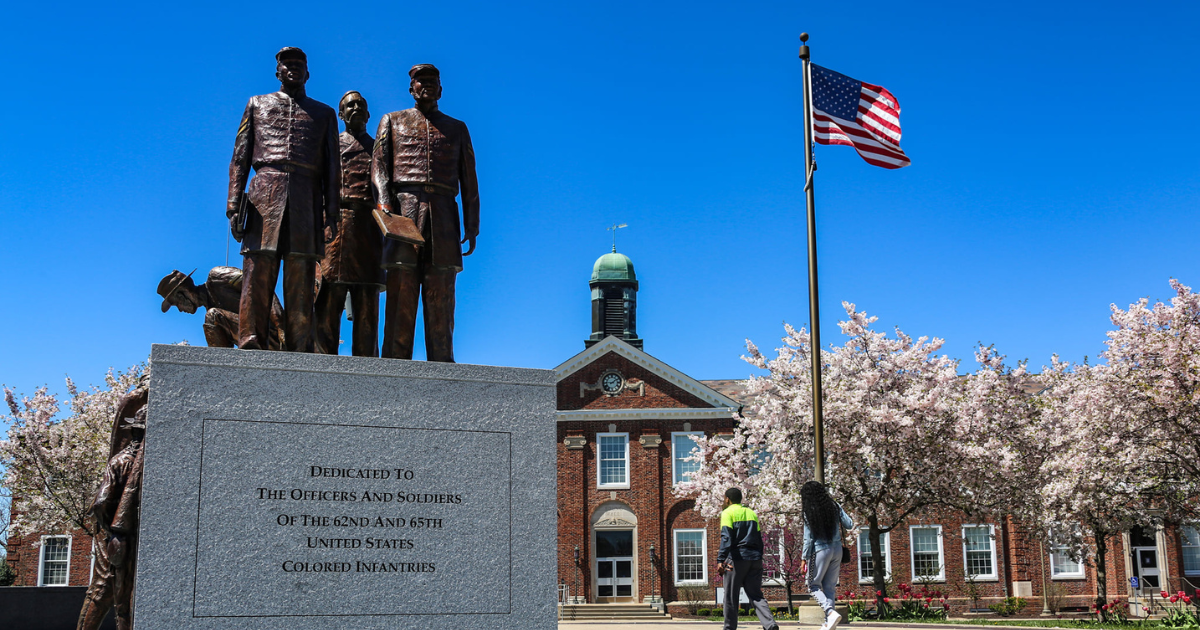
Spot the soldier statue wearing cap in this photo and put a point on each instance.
(116, 508)
(290, 140)
(422, 160)
(220, 296)
(352, 257)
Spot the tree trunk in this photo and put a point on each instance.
(879, 567)
(1101, 569)
(788, 585)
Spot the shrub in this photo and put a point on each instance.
(1008, 606)
(704, 612)
(1055, 594)
(693, 597)
(7, 574)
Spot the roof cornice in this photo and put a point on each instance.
(667, 413)
(660, 369)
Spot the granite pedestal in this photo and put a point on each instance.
(298, 491)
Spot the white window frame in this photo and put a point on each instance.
(912, 554)
(675, 556)
(599, 462)
(886, 543)
(1080, 574)
(42, 559)
(778, 579)
(1196, 537)
(675, 481)
(989, 577)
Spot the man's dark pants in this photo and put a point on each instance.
(746, 575)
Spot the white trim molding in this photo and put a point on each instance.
(655, 366)
(42, 560)
(675, 481)
(1062, 550)
(885, 540)
(1189, 538)
(941, 550)
(662, 413)
(675, 556)
(624, 485)
(991, 534)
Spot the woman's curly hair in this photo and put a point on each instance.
(821, 512)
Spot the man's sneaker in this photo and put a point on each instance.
(832, 620)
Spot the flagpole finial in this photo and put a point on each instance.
(803, 37)
(804, 46)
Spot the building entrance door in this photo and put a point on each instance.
(1146, 566)
(614, 566)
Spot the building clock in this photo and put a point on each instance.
(612, 383)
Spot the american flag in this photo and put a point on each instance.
(855, 113)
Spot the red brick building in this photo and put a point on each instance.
(62, 558)
(625, 421)
(623, 424)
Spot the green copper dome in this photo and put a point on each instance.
(613, 266)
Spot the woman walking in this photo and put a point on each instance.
(824, 522)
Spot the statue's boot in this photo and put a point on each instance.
(259, 273)
(95, 606)
(299, 280)
(364, 303)
(99, 597)
(327, 328)
(438, 297)
(400, 312)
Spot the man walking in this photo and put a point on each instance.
(739, 560)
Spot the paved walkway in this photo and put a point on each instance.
(682, 624)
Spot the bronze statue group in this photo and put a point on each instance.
(326, 208)
(346, 216)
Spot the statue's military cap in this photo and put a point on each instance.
(291, 52)
(424, 68)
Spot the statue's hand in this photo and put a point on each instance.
(471, 236)
(235, 227)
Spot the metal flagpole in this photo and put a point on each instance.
(814, 346)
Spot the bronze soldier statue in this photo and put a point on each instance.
(422, 160)
(291, 142)
(220, 297)
(352, 256)
(115, 509)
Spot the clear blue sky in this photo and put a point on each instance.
(1054, 166)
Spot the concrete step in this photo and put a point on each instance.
(611, 611)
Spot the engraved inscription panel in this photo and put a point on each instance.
(336, 520)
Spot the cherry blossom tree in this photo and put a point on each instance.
(1153, 366)
(1094, 481)
(904, 433)
(53, 465)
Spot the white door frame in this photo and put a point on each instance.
(1141, 574)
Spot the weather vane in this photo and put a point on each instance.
(614, 229)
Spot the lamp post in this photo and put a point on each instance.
(1042, 564)
(577, 572)
(653, 574)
